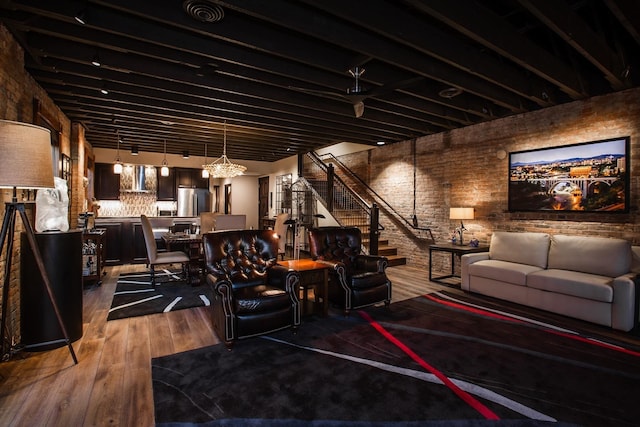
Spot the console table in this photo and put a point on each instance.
(455, 251)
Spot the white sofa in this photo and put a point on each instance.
(588, 278)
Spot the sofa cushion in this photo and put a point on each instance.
(523, 248)
(595, 255)
(503, 271)
(252, 299)
(583, 285)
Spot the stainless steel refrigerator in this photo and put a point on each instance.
(192, 201)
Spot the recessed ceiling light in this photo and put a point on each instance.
(96, 60)
(380, 143)
(80, 17)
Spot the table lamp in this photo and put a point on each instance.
(461, 214)
(25, 151)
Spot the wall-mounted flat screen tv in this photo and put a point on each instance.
(586, 177)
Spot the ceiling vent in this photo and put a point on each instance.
(203, 10)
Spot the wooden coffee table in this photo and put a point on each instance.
(315, 274)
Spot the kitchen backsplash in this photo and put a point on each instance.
(134, 204)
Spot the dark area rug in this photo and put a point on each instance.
(134, 295)
(424, 361)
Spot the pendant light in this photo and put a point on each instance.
(222, 167)
(164, 170)
(117, 166)
(205, 172)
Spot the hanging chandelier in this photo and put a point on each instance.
(222, 167)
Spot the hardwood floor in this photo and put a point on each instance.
(111, 385)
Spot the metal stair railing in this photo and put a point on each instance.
(345, 205)
(410, 224)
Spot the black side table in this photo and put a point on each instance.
(454, 250)
(62, 257)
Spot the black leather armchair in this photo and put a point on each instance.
(252, 294)
(355, 280)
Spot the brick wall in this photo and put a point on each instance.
(18, 91)
(461, 168)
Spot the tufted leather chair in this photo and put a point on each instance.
(356, 280)
(252, 294)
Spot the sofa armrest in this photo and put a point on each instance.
(466, 260)
(623, 308)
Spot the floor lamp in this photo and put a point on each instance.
(25, 151)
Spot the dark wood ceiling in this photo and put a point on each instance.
(277, 71)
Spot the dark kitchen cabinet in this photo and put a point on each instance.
(190, 178)
(199, 181)
(107, 183)
(124, 240)
(113, 242)
(166, 186)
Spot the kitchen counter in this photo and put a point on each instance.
(125, 239)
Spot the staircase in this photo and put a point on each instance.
(354, 219)
(350, 204)
(391, 253)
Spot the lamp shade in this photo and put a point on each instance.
(25, 151)
(460, 213)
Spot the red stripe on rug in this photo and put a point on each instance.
(594, 342)
(472, 309)
(466, 397)
(574, 336)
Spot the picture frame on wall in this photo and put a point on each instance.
(585, 177)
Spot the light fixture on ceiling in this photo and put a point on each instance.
(205, 172)
(450, 92)
(222, 167)
(164, 170)
(134, 150)
(117, 166)
(380, 143)
(96, 60)
(185, 154)
(81, 17)
(104, 90)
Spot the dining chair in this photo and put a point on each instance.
(156, 258)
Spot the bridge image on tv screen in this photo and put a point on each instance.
(586, 177)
